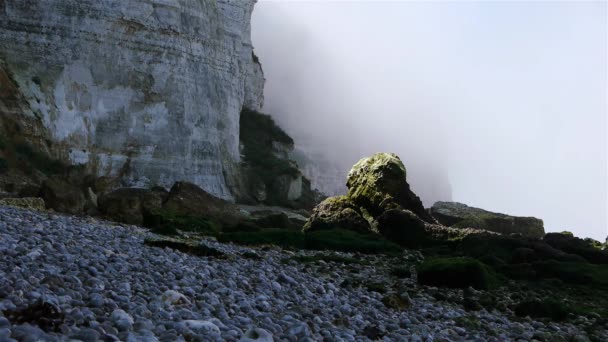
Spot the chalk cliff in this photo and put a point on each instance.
(149, 90)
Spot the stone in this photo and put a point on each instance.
(460, 215)
(202, 327)
(160, 104)
(62, 196)
(396, 302)
(189, 199)
(32, 203)
(122, 320)
(86, 335)
(337, 212)
(257, 335)
(378, 183)
(172, 297)
(128, 205)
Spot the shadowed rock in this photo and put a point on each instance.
(337, 212)
(460, 215)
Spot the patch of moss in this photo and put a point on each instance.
(468, 322)
(327, 258)
(168, 223)
(338, 240)
(3, 165)
(459, 272)
(573, 272)
(278, 237)
(186, 246)
(546, 308)
(349, 241)
(401, 272)
(375, 287)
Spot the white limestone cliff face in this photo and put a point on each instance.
(150, 90)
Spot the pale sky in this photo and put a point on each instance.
(508, 98)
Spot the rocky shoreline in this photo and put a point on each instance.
(98, 281)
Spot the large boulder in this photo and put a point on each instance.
(190, 200)
(128, 205)
(460, 215)
(62, 196)
(337, 213)
(378, 183)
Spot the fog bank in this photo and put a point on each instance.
(507, 99)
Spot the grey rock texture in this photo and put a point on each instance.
(149, 90)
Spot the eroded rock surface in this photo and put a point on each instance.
(462, 216)
(148, 90)
(379, 200)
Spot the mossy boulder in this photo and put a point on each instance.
(188, 199)
(378, 183)
(458, 272)
(62, 196)
(337, 213)
(460, 215)
(545, 308)
(589, 249)
(128, 205)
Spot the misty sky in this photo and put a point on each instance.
(508, 99)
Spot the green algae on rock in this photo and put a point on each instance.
(378, 183)
(337, 212)
(32, 203)
(460, 215)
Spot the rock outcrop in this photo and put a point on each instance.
(337, 212)
(150, 91)
(460, 215)
(379, 200)
(379, 183)
(269, 174)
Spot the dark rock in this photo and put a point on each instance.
(337, 213)
(45, 313)
(62, 196)
(128, 205)
(460, 215)
(269, 219)
(29, 190)
(189, 199)
(104, 184)
(374, 332)
(378, 183)
(460, 272)
(402, 226)
(589, 249)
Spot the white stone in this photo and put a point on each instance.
(172, 297)
(200, 326)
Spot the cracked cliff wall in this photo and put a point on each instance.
(150, 89)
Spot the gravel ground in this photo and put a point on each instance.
(73, 278)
